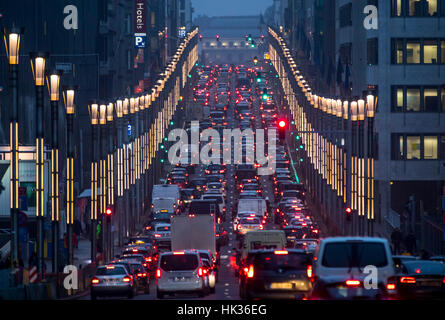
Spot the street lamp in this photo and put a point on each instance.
(38, 61)
(12, 45)
(102, 170)
(126, 160)
(93, 109)
(120, 167)
(68, 99)
(53, 84)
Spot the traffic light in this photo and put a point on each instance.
(282, 128)
(249, 38)
(108, 214)
(217, 37)
(255, 61)
(349, 213)
(259, 77)
(265, 95)
(200, 37)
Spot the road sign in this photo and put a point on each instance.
(140, 39)
(23, 219)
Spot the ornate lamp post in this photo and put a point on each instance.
(93, 109)
(12, 44)
(68, 99)
(53, 83)
(38, 61)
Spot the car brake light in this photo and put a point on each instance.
(239, 227)
(407, 280)
(126, 279)
(250, 272)
(200, 272)
(309, 271)
(95, 281)
(178, 252)
(352, 283)
(158, 273)
(261, 227)
(391, 286)
(443, 281)
(281, 252)
(157, 235)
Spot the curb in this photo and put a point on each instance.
(76, 296)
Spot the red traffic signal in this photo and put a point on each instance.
(282, 124)
(282, 128)
(217, 37)
(348, 212)
(108, 212)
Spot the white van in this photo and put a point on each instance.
(348, 256)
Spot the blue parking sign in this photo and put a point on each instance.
(140, 39)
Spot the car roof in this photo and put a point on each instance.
(354, 239)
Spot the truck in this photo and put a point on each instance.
(262, 239)
(165, 198)
(205, 207)
(193, 232)
(257, 205)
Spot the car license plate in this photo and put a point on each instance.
(281, 285)
(429, 283)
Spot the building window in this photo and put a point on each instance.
(398, 51)
(431, 99)
(182, 4)
(373, 52)
(346, 15)
(413, 99)
(442, 48)
(430, 51)
(346, 53)
(443, 98)
(412, 51)
(430, 147)
(396, 8)
(400, 99)
(422, 8)
(397, 147)
(442, 147)
(413, 147)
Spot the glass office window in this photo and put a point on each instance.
(401, 147)
(430, 51)
(413, 99)
(442, 147)
(430, 99)
(396, 8)
(413, 147)
(442, 48)
(443, 99)
(399, 51)
(430, 147)
(413, 52)
(400, 99)
(432, 7)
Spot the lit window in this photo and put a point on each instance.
(432, 7)
(413, 147)
(401, 147)
(431, 100)
(413, 99)
(399, 51)
(422, 8)
(443, 99)
(413, 52)
(442, 49)
(430, 51)
(400, 99)
(430, 147)
(397, 8)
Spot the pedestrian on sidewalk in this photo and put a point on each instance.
(396, 239)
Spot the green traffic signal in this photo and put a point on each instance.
(265, 96)
(258, 80)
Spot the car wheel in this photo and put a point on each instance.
(159, 295)
(131, 294)
(212, 290)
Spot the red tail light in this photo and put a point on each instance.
(126, 279)
(443, 281)
(309, 271)
(239, 227)
(352, 283)
(391, 286)
(95, 281)
(200, 272)
(281, 252)
(250, 272)
(158, 273)
(261, 227)
(407, 280)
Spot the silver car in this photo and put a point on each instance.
(112, 280)
(180, 272)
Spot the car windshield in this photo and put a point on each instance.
(250, 221)
(354, 254)
(272, 261)
(111, 271)
(219, 200)
(424, 267)
(179, 262)
(204, 255)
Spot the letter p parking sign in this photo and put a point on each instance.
(139, 40)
